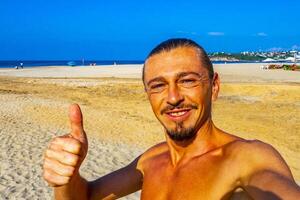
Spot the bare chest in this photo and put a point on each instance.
(201, 179)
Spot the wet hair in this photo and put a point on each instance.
(174, 43)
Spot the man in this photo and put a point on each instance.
(197, 161)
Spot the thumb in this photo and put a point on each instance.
(76, 122)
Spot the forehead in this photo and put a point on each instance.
(168, 63)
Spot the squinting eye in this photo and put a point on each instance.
(157, 86)
(187, 81)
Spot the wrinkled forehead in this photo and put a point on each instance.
(168, 63)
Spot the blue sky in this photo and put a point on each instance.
(128, 30)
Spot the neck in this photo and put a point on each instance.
(203, 142)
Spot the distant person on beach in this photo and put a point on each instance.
(197, 160)
(21, 65)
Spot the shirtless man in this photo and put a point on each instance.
(197, 161)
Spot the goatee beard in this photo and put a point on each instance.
(180, 133)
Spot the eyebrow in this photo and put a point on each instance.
(183, 74)
(178, 75)
(157, 79)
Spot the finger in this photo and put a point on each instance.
(55, 179)
(63, 157)
(69, 144)
(53, 143)
(55, 147)
(76, 122)
(58, 168)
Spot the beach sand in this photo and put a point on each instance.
(253, 103)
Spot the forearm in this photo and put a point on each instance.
(76, 189)
(270, 185)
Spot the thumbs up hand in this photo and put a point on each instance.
(65, 153)
(75, 117)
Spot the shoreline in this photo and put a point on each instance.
(238, 72)
(140, 65)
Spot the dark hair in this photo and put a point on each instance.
(174, 43)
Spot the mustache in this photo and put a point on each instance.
(170, 107)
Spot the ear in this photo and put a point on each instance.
(215, 87)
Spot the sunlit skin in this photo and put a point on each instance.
(197, 161)
(181, 80)
(179, 89)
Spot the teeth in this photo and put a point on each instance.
(176, 114)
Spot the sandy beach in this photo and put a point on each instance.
(249, 72)
(253, 103)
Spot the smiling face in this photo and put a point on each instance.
(180, 91)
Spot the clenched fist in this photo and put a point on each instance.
(66, 153)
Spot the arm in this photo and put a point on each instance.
(112, 186)
(267, 175)
(117, 184)
(272, 185)
(78, 184)
(62, 161)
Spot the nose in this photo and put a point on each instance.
(174, 95)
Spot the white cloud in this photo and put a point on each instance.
(216, 33)
(262, 34)
(187, 32)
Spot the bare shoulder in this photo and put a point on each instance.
(151, 155)
(253, 149)
(254, 156)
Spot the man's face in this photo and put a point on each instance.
(179, 90)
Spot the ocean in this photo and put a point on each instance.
(41, 63)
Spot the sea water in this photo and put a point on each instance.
(41, 63)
